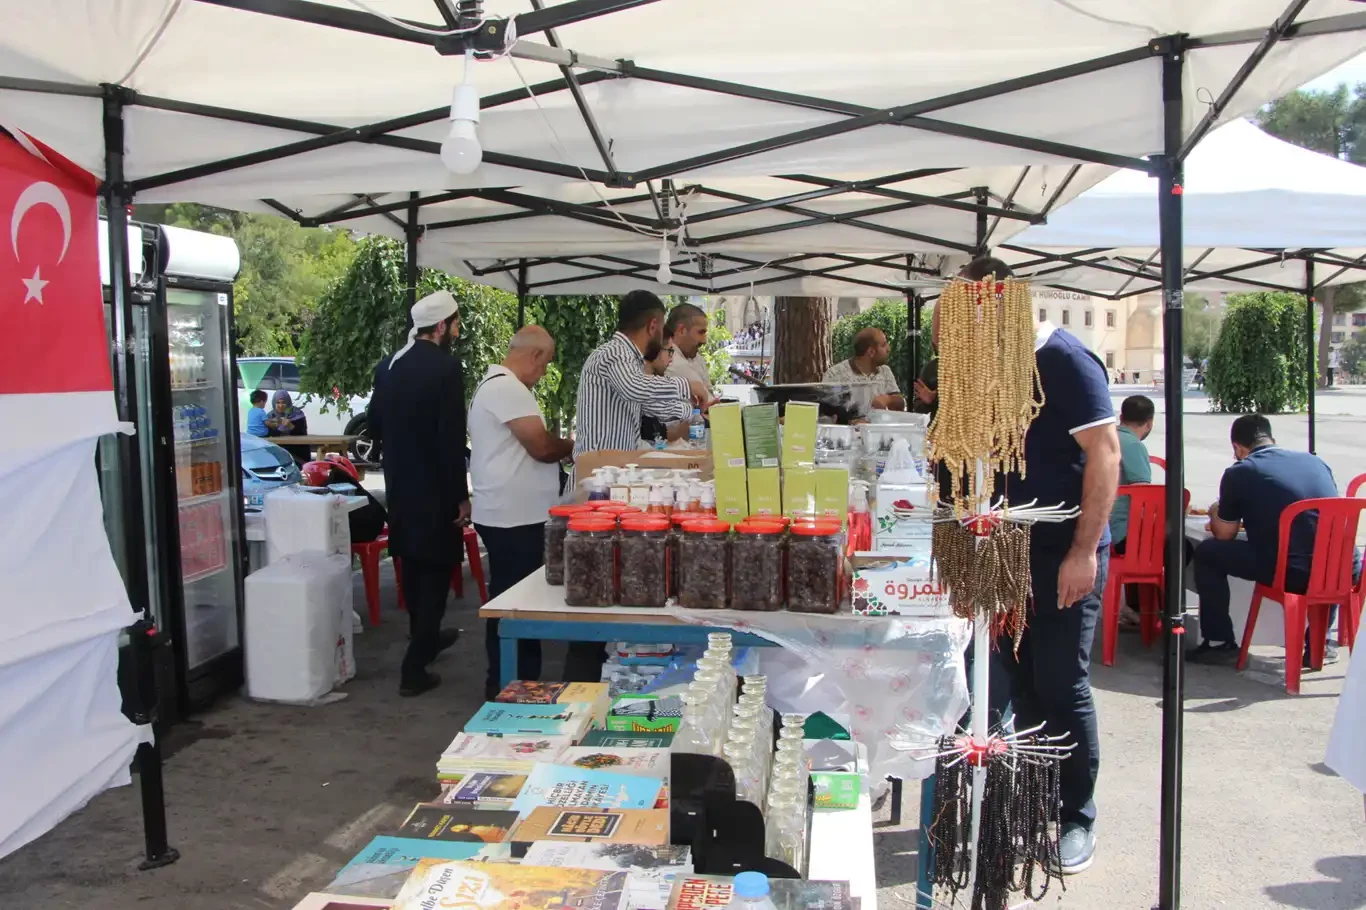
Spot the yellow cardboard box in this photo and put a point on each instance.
(732, 495)
(799, 490)
(832, 492)
(765, 492)
(727, 436)
(799, 432)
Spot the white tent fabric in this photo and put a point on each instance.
(1246, 196)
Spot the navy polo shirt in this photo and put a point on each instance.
(1258, 489)
(1076, 392)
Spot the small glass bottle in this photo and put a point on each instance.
(695, 733)
(748, 785)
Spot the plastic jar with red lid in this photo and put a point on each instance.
(644, 549)
(756, 576)
(704, 564)
(814, 559)
(590, 561)
(556, 524)
(678, 519)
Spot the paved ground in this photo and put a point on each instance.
(266, 802)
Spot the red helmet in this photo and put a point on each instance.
(316, 473)
(344, 463)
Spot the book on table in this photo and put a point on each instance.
(436, 883)
(710, 892)
(381, 868)
(529, 692)
(516, 754)
(451, 823)
(570, 719)
(482, 789)
(652, 868)
(646, 762)
(625, 739)
(617, 826)
(570, 787)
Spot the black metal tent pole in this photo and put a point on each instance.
(1311, 353)
(412, 232)
(521, 292)
(1169, 168)
(142, 703)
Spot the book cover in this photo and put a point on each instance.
(626, 740)
(597, 695)
(712, 892)
(578, 788)
(530, 692)
(459, 885)
(321, 901)
(619, 826)
(384, 865)
(647, 762)
(484, 789)
(448, 823)
(470, 752)
(652, 869)
(563, 719)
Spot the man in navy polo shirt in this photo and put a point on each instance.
(1255, 491)
(1072, 458)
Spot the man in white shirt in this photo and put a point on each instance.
(515, 479)
(686, 331)
(869, 365)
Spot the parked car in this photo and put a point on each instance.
(265, 467)
(283, 373)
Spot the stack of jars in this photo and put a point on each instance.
(708, 700)
(785, 818)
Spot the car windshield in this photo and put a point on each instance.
(264, 456)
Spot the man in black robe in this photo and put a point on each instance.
(417, 413)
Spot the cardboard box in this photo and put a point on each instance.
(903, 517)
(727, 436)
(689, 459)
(799, 432)
(887, 584)
(836, 789)
(799, 490)
(832, 492)
(761, 435)
(765, 492)
(732, 494)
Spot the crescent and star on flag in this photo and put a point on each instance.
(39, 193)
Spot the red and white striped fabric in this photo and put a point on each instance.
(63, 599)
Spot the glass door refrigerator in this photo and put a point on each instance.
(189, 459)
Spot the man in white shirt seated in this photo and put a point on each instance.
(686, 331)
(869, 365)
(515, 479)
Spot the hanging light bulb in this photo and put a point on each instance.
(461, 152)
(665, 275)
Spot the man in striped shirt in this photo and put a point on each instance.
(614, 389)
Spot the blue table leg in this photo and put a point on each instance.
(925, 853)
(507, 656)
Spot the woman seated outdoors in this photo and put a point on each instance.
(287, 420)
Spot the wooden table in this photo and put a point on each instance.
(324, 444)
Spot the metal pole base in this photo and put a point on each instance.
(170, 855)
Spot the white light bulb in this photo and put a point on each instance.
(461, 151)
(665, 275)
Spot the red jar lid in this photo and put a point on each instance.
(571, 509)
(680, 518)
(813, 528)
(771, 519)
(706, 526)
(584, 523)
(613, 505)
(755, 526)
(644, 523)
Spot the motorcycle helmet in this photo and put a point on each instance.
(344, 464)
(316, 473)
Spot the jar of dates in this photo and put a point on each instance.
(644, 549)
(814, 557)
(556, 524)
(756, 574)
(678, 519)
(590, 557)
(704, 565)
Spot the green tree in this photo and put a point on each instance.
(1352, 354)
(1199, 328)
(714, 352)
(579, 325)
(1257, 364)
(890, 316)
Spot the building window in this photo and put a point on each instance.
(1339, 319)
(1358, 319)
(1339, 337)
(1109, 319)
(1043, 314)
(1088, 317)
(1109, 360)
(1066, 317)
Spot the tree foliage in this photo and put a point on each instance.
(1258, 363)
(890, 316)
(579, 325)
(1199, 328)
(1352, 354)
(285, 270)
(714, 352)
(1332, 122)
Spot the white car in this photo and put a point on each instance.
(341, 418)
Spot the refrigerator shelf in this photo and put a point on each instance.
(197, 387)
(188, 501)
(191, 443)
(206, 573)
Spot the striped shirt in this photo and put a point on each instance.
(613, 393)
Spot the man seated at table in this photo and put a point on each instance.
(1135, 423)
(869, 365)
(1264, 482)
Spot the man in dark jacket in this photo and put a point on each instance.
(417, 413)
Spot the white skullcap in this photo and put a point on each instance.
(435, 307)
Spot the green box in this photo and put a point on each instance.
(640, 721)
(836, 789)
(761, 435)
(799, 490)
(832, 492)
(799, 433)
(727, 436)
(765, 492)
(732, 494)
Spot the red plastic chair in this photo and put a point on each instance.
(1330, 582)
(1355, 485)
(1359, 592)
(476, 568)
(1142, 564)
(1160, 462)
(369, 554)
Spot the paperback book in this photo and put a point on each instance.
(437, 883)
(449, 823)
(616, 826)
(646, 762)
(483, 790)
(384, 865)
(623, 739)
(652, 869)
(517, 754)
(570, 787)
(528, 692)
(713, 892)
(570, 719)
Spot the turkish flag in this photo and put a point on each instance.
(51, 308)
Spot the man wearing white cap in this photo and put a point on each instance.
(417, 413)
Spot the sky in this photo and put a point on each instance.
(1351, 72)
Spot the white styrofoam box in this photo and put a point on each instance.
(297, 522)
(297, 632)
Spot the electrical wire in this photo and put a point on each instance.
(408, 26)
